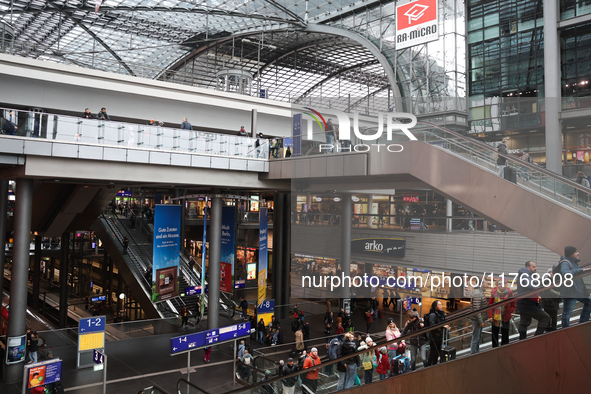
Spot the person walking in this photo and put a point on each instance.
(551, 302)
(569, 264)
(184, 316)
(299, 339)
(368, 318)
(501, 161)
(529, 308)
(207, 354)
(244, 307)
(125, 244)
(436, 316)
(501, 316)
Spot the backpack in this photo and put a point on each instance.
(589, 179)
(295, 325)
(426, 319)
(556, 267)
(333, 349)
(586, 182)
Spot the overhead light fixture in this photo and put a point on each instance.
(318, 199)
(336, 199)
(355, 198)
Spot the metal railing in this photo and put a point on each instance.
(130, 135)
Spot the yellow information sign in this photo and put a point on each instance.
(95, 340)
(262, 286)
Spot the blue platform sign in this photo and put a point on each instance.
(267, 306)
(99, 298)
(209, 337)
(91, 324)
(98, 357)
(189, 291)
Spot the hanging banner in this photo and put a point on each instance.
(203, 257)
(263, 229)
(416, 23)
(167, 246)
(296, 134)
(228, 248)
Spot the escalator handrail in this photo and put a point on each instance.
(416, 333)
(523, 163)
(189, 384)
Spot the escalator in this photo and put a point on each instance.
(134, 265)
(462, 169)
(555, 362)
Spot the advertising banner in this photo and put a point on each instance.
(48, 373)
(416, 23)
(15, 349)
(167, 246)
(228, 248)
(391, 247)
(263, 229)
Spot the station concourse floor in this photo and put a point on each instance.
(134, 364)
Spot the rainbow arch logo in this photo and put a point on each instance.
(315, 115)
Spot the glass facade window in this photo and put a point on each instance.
(572, 8)
(576, 64)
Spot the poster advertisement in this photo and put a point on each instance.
(263, 229)
(251, 272)
(167, 244)
(416, 23)
(48, 373)
(15, 352)
(228, 248)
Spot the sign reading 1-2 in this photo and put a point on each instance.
(91, 324)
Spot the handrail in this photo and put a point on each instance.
(510, 157)
(189, 384)
(416, 333)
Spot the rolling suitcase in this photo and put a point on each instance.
(448, 353)
(510, 174)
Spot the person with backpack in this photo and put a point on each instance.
(433, 318)
(418, 343)
(332, 350)
(501, 161)
(529, 308)
(310, 380)
(289, 383)
(501, 316)
(582, 179)
(551, 303)
(244, 306)
(246, 360)
(569, 264)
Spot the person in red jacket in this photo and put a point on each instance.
(383, 363)
(310, 380)
(501, 316)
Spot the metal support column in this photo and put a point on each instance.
(20, 270)
(346, 217)
(253, 123)
(552, 89)
(285, 284)
(63, 311)
(449, 212)
(370, 210)
(215, 252)
(36, 272)
(3, 209)
(277, 247)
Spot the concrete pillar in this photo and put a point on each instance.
(20, 270)
(51, 270)
(63, 310)
(346, 216)
(215, 253)
(253, 123)
(3, 208)
(36, 272)
(449, 212)
(552, 82)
